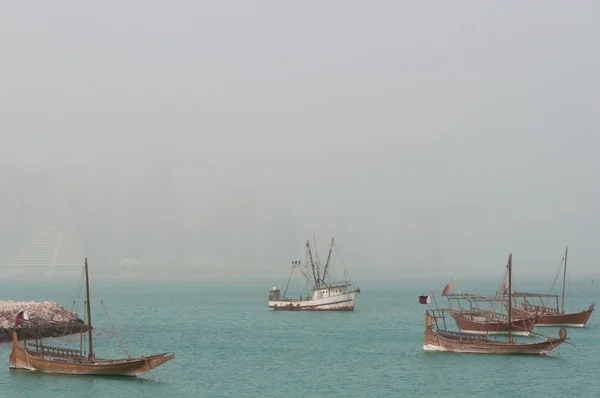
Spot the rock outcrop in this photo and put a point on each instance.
(46, 319)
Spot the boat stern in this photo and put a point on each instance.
(274, 298)
(431, 342)
(12, 360)
(18, 356)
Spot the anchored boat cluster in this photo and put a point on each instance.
(482, 319)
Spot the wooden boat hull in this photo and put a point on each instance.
(25, 359)
(440, 342)
(479, 325)
(436, 340)
(575, 320)
(342, 302)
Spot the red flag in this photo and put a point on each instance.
(21, 317)
(449, 287)
(424, 299)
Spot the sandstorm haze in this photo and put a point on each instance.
(213, 139)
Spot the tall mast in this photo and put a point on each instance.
(318, 263)
(89, 315)
(328, 258)
(564, 280)
(312, 263)
(510, 297)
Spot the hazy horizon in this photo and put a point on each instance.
(208, 139)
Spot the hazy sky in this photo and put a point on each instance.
(426, 136)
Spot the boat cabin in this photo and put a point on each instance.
(330, 291)
(274, 294)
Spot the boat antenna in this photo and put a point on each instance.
(89, 315)
(564, 280)
(510, 297)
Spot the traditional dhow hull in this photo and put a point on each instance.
(26, 359)
(437, 340)
(574, 320)
(481, 324)
(341, 302)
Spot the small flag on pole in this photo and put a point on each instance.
(449, 287)
(424, 299)
(21, 316)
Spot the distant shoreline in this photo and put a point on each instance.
(279, 278)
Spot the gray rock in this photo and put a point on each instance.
(45, 319)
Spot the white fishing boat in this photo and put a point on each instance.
(323, 292)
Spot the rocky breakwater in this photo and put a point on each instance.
(46, 319)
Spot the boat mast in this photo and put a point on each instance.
(89, 315)
(312, 263)
(328, 258)
(318, 266)
(564, 280)
(509, 297)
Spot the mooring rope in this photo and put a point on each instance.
(113, 328)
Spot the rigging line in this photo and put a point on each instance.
(149, 368)
(500, 288)
(316, 250)
(557, 273)
(567, 280)
(113, 327)
(287, 281)
(555, 348)
(68, 326)
(76, 306)
(84, 335)
(337, 249)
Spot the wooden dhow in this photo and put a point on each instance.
(548, 310)
(485, 314)
(490, 321)
(438, 338)
(325, 293)
(43, 358)
(552, 315)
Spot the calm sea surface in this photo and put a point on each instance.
(228, 344)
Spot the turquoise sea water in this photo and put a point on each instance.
(228, 344)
